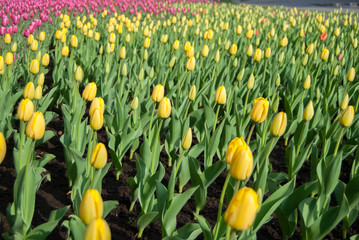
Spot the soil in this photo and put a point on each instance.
(54, 194)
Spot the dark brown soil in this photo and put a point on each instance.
(54, 194)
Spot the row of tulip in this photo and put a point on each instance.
(297, 62)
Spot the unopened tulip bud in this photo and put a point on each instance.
(216, 56)
(134, 103)
(325, 54)
(275, 105)
(79, 74)
(281, 57)
(7, 39)
(175, 45)
(97, 103)
(41, 79)
(35, 128)
(2, 147)
(336, 70)
(284, 42)
(257, 55)
(308, 111)
(141, 75)
(279, 124)
(344, 103)
(205, 51)
(220, 97)
(99, 156)
(250, 83)
(164, 110)
(192, 93)
(172, 62)
(45, 60)
(187, 139)
(233, 49)
(191, 63)
(306, 84)
(268, 53)
(89, 92)
(42, 37)
(351, 74)
(158, 93)
(38, 56)
(65, 51)
(260, 110)
(232, 148)
(91, 206)
(310, 49)
(146, 43)
(305, 60)
(9, 58)
(347, 116)
(124, 70)
(249, 51)
(29, 91)
(123, 52)
(34, 45)
(38, 92)
(277, 81)
(242, 162)
(152, 73)
(74, 41)
(96, 119)
(14, 47)
(25, 110)
(240, 75)
(98, 229)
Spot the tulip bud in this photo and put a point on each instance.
(205, 51)
(134, 103)
(34, 45)
(98, 229)
(336, 70)
(45, 60)
(325, 54)
(99, 156)
(305, 60)
(232, 147)
(275, 105)
(240, 75)
(25, 110)
(268, 53)
(164, 110)
(89, 92)
(220, 97)
(192, 93)
(351, 74)
(242, 162)
(158, 93)
(277, 81)
(310, 49)
(233, 49)
(346, 118)
(9, 58)
(7, 39)
(152, 73)
(172, 62)
(79, 74)
(123, 52)
(14, 47)
(35, 128)
(250, 83)
(281, 57)
(191, 63)
(41, 79)
(38, 56)
(279, 124)
(97, 103)
(42, 37)
(187, 139)
(308, 111)
(74, 41)
(344, 103)
(65, 51)
(260, 110)
(124, 70)
(91, 206)
(242, 209)
(146, 43)
(306, 84)
(216, 56)
(38, 92)
(29, 91)
(257, 55)
(249, 50)
(175, 45)
(30, 38)
(2, 147)
(284, 42)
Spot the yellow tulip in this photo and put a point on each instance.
(123, 52)
(351, 74)
(239, 29)
(187, 139)
(97, 36)
(284, 42)
(187, 45)
(134, 103)
(112, 38)
(325, 54)
(190, 52)
(96, 119)
(35, 128)
(1, 65)
(337, 32)
(42, 36)
(233, 49)
(164, 110)
(79, 74)
(45, 60)
(242, 162)
(58, 34)
(242, 209)
(216, 56)
(279, 124)
(29, 91)
(9, 58)
(192, 93)
(97, 103)
(74, 41)
(38, 92)
(65, 51)
(250, 83)
(191, 63)
(7, 38)
(306, 84)
(268, 53)
(98, 229)
(232, 147)
(99, 156)
(347, 116)
(260, 110)
(249, 34)
(25, 110)
(308, 111)
(257, 55)
(146, 43)
(310, 48)
(34, 45)
(344, 103)
(63, 38)
(2, 147)
(172, 62)
(220, 97)
(91, 206)
(41, 79)
(30, 38)
(249, 51)
(175, 45)
(158, 93)
(14, 47)
(90, 91)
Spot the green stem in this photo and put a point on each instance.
(122, 87)
(230, 99)
(22, 135)
(89, 152)
(250, 133)
(215, 120)
(155, 146)
(185, 115)
(300, 139)
(164, 82)
(339, 140)
(179, 161)
(153, 111)
(245, 107)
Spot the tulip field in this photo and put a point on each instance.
(177, 119)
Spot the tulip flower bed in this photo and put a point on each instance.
(177, 120)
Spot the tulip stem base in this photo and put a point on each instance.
(179, 162)
(215, 120)
(250, 134)
(339, 140)
(221, 202)
(149, 130)
(154, 148)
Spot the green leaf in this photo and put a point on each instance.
(108, 206)
(146, 219)
(205, 226)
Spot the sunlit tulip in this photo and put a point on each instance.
(325, 54)
(96, 119)
(2, 147)
(232, 147)
(91, 206)
(99, 156)
(35, 128)
(25, 110)
(42, 36)
(65, 51)
(192, 93)
(175, 45)
(191, 63)
(158, 93)
(310, 49)
(123, 52)
(90, 91)
(98, 229)
(249, 51)
(74, 41)
(268, 53)
(164, 110)
(347, 116)
(308, 111)
(38, 92)
(233, 49)
(7, 39)
(279, 124)
(220, 97)
(79, 74)
(345, 102)
(187, 139)
(146, 43)
(242, 162)
(45, 60)
(97, 103)
(242, 209)
(34, 45)
(257, 55)
(14, 47)
(351, 74)
(9, 58)
(284, 42)
(260, 110)
(306, 84)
